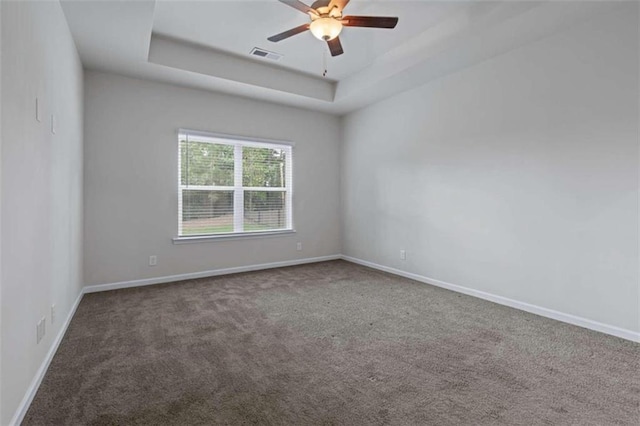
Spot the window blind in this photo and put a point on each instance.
(232, 185)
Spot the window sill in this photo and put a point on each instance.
(238, 236)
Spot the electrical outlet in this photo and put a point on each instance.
(153, 260)
(403, 255)
(299, 246)
(40, 329)
(38, 112)
(53, 313)
(54, 124)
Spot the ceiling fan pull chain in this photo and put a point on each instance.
(324, 63)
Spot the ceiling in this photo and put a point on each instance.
(249, 24)
(206, 44)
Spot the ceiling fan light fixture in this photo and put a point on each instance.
(326, 28)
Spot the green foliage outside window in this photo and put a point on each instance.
(208, 164)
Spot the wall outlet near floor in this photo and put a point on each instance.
(153, 260)
(299, 246)
(403, 255)
(38, 110)
(53, 313)
(40, 329)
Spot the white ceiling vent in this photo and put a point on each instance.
(256, 51)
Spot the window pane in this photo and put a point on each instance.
(211, 186)
(204, 163)
(264, 210)
(206, 212)
(263, 167)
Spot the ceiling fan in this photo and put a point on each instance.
(327, 22)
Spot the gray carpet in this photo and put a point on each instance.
(328, 343)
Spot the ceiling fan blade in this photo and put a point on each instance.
(289, 33)
(335, 47)
(300, 6)
(338, 3)
(370, 21)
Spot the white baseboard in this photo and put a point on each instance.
(35, 383)
(538, 310)
(205, 274)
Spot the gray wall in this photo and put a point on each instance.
(1, 411)
(131, 163)
(517, 177)
(41, 178)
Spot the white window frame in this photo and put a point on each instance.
(238, 142)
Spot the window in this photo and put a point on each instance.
(229, 185)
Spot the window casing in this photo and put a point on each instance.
(229, 185)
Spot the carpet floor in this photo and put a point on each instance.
(328, 343)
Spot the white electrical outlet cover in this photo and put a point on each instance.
(54, 124)
(38, 113)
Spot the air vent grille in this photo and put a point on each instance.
(256, 51)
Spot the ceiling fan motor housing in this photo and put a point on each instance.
(322, 7)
